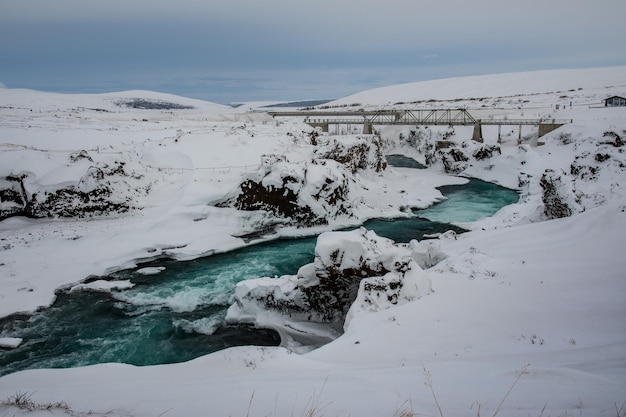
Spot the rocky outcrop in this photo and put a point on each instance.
(359, 153)
(96, 193)
(554, 195)
(309, 193)
(304, 193)
(13, 196)
(584, 185)
(486, 152)
(311, 307)
(454, 159)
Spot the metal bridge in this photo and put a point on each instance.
(418, 117)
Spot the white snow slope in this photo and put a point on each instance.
(521, 301)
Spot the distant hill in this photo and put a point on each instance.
(496, 85)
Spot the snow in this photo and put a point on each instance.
(151, 270)
(520, 295)
(10, 342)
(542, 84)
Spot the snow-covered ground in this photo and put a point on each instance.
(521, 296)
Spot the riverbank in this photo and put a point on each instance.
(42, 255)
(170, 311)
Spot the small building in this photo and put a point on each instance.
(615, 101)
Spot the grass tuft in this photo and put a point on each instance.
(523, 371)
(429, 383)
(24, 401)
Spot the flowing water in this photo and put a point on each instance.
(177, 314)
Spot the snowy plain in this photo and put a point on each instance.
(519, 295)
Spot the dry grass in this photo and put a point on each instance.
(24, 401)
(429, 383)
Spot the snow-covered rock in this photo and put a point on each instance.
(556, 188)
(310, 192)
(352, 272)
(78, 188)
(359, 152)
(306, 193)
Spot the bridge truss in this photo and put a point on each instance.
(415, 117)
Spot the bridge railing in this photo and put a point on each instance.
(442, 117)
(520, 122)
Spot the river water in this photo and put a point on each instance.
(177, 314)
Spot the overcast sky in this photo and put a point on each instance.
(236, 50)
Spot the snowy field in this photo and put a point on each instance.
(525, 300)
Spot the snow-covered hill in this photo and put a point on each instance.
(525, 295)
(543, 86)
(39, 101)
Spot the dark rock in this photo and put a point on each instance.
(77, 156)
(617, 142)
(555, 204)
(454, 160)
(601, 157)
(144, 104)
(280, 201)
(13, 196)
(367, 153)
(356, 266)
(308, 193)
(486, 152)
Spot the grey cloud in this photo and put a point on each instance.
(314, 49)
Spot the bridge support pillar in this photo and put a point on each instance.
(545, 128)
(367, 128)
(478, 132)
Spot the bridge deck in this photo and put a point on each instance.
(431, 117)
